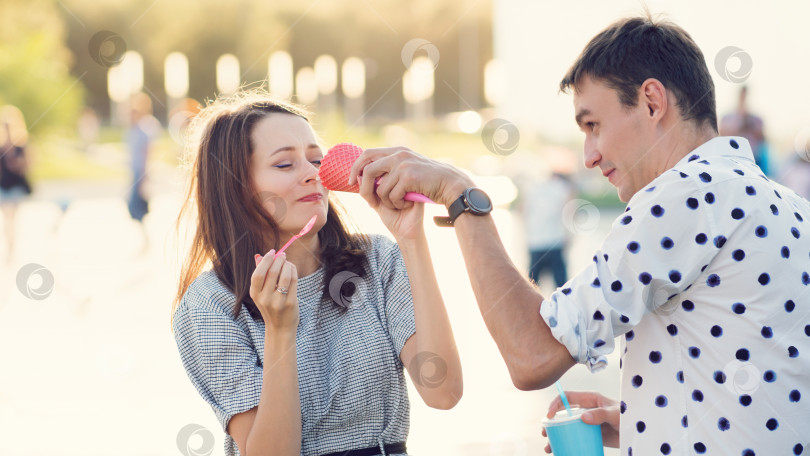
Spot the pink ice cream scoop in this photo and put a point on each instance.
(335, 167)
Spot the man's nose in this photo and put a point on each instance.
(592, 155)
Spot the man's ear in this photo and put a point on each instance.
(653, 96)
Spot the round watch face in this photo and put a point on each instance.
(478, 201)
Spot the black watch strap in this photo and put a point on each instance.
(457, 208)
(460, 206)
(443, 222)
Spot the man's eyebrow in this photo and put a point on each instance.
(580, 115)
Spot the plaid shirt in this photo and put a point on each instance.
(351, 383)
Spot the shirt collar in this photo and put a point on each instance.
(722, 146)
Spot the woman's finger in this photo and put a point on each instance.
(284, 279)
(257, 279)
(383, 190)
(274, 264)
(397, 195)
(367, 190)
(293, 281)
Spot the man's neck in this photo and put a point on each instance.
(682, 140)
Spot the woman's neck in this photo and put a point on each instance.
(304, 253)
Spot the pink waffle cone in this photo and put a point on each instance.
(335, 167)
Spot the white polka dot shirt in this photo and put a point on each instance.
(351, 384)
(706, 274)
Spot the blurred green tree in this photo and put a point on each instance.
(35, 66)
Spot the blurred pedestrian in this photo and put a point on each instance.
(796, 174)
(541, 203)
(143, 130)
(14, 185)
(88, 128)
(751, 127)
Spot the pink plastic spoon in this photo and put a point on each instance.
(304, 231)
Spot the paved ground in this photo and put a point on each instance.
(93, 368)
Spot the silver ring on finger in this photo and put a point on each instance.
(282, 290)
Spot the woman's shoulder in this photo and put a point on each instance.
(208, 293)
(381, 243)
(384, 256)
(381, 249)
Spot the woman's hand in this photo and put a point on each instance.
(273, 288)
(605, 412)
(404, 224)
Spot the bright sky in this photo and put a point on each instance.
(539, 40)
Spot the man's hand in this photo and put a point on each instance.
(403, 170)
(605, 412)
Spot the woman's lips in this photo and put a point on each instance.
(312, 197)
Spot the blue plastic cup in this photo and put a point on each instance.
(570, 436)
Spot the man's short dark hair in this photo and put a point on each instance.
(633, 50)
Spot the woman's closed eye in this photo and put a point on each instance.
(287, 165)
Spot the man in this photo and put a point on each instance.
(706, 273)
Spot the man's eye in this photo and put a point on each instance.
(590, 125)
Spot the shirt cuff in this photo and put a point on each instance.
(566, 323)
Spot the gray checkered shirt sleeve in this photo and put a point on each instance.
(218, 356)
(398, 297)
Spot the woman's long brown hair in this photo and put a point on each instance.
(232, 224)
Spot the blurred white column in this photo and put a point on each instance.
(123, 81)
(417, 89)
(228, 76)
(280, 75)
(175, 80)
(326, 75)
(306, 86)
(353, 82)
(495, 83)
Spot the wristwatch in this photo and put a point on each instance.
(473, 200)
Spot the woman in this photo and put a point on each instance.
(302, 353)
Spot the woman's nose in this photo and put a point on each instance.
(311, 173)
